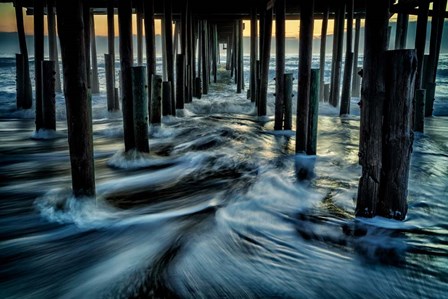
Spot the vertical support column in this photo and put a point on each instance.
(139, 19)
(323, 45)
(108, 61)
(49, 96)
(420, 110)
(348, 66)
(240, 54)
(214, 54)
(166, 97)
(372, 103)
(191, 56)
(311, 147)
(265, 57)
(420, 40)
(86, 16)
(402, 30)
(79, 115)
(156, 98)
(164, 66)
(280, 16)
(38, 58)
(52, 44)
(337, 58)
(287, 79)
(356, 82)
(126, 60)
(204, 58)
(140, 108)
(305, 54)
(235, 51)
(95, 81)
(253, 52)
(148, 10)
(20, 81)
(27, 91)
(180, 81)
(397, 136)
(114, 101)
(169, 48)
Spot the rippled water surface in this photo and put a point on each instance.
(220, 208)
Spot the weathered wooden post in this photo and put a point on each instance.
(305, 54)
(38, 58)
(126, 60)
(180, 81)
(86, 16)
(327, 92)
(79, 117)
(346, 88)
(156, 99)
(420, 110)
(140, 108)
(20, 81)
(372, 103)
(114, 98)
(240, 73)
(204, 57)
(214, 54)
(280, 16)
(397, 136)
(49, 96)
(169, 48)
(166, 97)
(348, 67)
(288, 78)
(402, 30)
(323, 45)
(52, 44)
(337, 58)
(311, 146)
(356, 82)
(253, 52)
(139, 19)
(228, 54)
(148, 10)
(236, 48)
(109, 82)
(95, 81)
(198, 87)
(429, 98)
(27, 91)
(420, 40)
(264, 63)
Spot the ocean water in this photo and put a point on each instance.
(217, 209)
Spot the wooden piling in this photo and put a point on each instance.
(356, 82)
(429, 98)
(236, 47)
(27, 91)
(339, 37)
(397, 133)
(287, 100)
(126, 61)
(420, 40)
(228, 54)
(372, 103)
(49, 96)
(156, 99)
(419, 117)
(264, 63)
(169, 48)
(253, 52)
(86, 16)
(79, 115)
(38, 58)
(52, 43)
(198, 87)
(139, 19)
(166, 97)
(240, 73)
(111, 49)
(109, 82)
(346, 88)
(303, 94)
(117, 100)
(402, 30)
(95, 80)
(311, 146)
(148, 11)
(214, 54)
(140, 101)
(348, 66)
(180, 81)
(204, 58)
(327, 92)
(323, 45)
(280, 16)
(20, 81)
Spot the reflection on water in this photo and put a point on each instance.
(218, 209)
